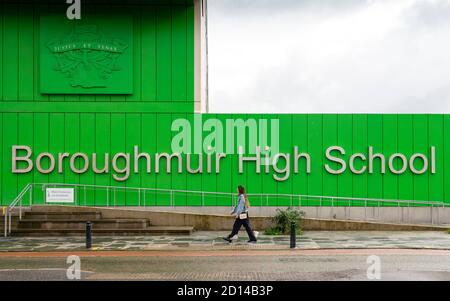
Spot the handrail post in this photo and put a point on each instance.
(349, 210)
(408, 213)
(345, 212)
(139, 197)
(31, 195)
(365, 210)
(144, 199)
(10, 218)
(317, 210)
(203, 199)
(432, 221)
(379, 208)
(438, 216)
(76, 193)
(332, 208)
(20, 209)
(6, 222)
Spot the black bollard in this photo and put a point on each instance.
(293, 242)
(88, 235)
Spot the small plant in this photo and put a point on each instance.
(448, 231)
(272, 231)
(282, 222)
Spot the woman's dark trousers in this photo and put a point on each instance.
(237, 226)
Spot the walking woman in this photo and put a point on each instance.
(242, 218)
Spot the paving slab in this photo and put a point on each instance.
(213, 241)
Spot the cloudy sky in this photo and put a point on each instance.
(342, 56)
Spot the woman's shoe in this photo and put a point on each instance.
(252, 241)
(227, 239)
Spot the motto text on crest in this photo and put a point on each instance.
(87, 56)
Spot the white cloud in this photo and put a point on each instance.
(340, 56)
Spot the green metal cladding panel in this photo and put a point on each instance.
(163, 90)
(163, 59)
(120, 132)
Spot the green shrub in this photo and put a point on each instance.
(272, 231)
(282, 222)
(448, 231)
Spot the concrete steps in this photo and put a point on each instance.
(72, 222)
(86, 216)
(14, 223)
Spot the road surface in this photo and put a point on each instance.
(341, 265)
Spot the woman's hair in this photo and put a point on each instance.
(241, 190)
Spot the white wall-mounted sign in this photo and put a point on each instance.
(59, 195)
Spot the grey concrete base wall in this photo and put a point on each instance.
(218, 222)
(397, 215)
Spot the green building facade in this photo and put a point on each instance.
(121, 76)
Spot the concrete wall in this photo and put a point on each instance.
(424, 216)
(221, 222)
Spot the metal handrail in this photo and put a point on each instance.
(438, 203)
(10, 208)
(335, 201)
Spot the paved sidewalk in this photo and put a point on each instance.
(213, 241)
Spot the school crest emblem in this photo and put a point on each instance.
(87, 56)
(90, 56)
